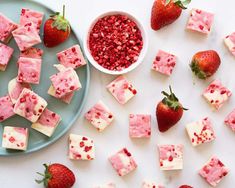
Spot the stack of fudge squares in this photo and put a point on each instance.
(21, 99)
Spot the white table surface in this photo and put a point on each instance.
(20, 171)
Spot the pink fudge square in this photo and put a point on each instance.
(150, 184)
(123, 162)
(5, 56)
(67, 98)
(31, 16)
(230, 42)
(139, 126)
(34, 53)
(71, 57)
(26, 36)
(121, 89)
(6, 28)
(29, 70)
(108, 185)
(6, 108)
(99, 116)
(200, 21)
(213, 171)
(164, 63)
(230, 120)
(216, 94)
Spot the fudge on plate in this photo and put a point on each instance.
(15, 138)
(149, 184)
(99, 116)
(230, 42)
(5, 56)
(67, 98)
(109, 185)
(30, 105)
(81, 147)
(171, 157)
(47, 122)
(230, 120)
(34, 53)
(6, 108)
(123, 162)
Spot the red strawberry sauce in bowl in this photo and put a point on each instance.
(116, 43)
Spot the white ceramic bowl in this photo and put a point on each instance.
(141, 55)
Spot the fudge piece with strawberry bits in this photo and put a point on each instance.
(67, 98)
(123, 162)
(201, 132)
(72, 57)
(6, 28)
(139, 126)
(29, 70)
(81, 147)
(121, 89)
(26, 36)
(149, 184)
(164, 63)
(30, 105)
(200, 21)
(47, 122)
(6, 108)
(213, 171)
(34, 53)
(216, 94)
(230, 42)
(109, 185)
(31, 16)
(230, 120)
(171, 157)
(5, 56)
(15, 138)
(15, 88)
(99, 116)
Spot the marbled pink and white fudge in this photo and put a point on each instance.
(30, 105)
(213, 171)
(26, 36)
(216, 94)
(164, 63)
(67, 98)
(47, 123)
(121, 89)
(149, 184)
(230, 42)
(200, 21)
(139, 126)
(230, 120)
(34, 53)
(6, 28)
(123, 162)
(171, 157)
(6, 108)
(15, 88)
(72, 57)
(15, 138)
(81, 147)
(201, 132)
(31, 16)
(109, 185)
(99, 116)
(5, 56)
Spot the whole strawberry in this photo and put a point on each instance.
(57, 176)
(56, 30)
(185, 186)
(169, 111)
(165, 12)
(205, 63)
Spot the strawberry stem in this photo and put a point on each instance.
(63, 11)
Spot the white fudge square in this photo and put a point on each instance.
(109, 185)
(149, 184)
(15, 138)
(230, 120)
(230, 42)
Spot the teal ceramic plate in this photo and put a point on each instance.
(69, 113)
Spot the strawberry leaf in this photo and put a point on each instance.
(167, 2)
(182, 3)
(197, 71)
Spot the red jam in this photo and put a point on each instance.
(115, 42)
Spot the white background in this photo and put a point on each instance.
(20, 171)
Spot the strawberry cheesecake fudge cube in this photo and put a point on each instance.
(149, 184)
(230, 42)
(6, 28)
(201, 132)
(171, 157)
(30, 105)
(164, 63)
(34, 53)
(109, 185)
(230, 120)
(81, 147)
(200, 21)
(6, 108)
(121, 89)
(5, 56)
(99, 116)
(123, 162)
(213, 171)
(72, 57)
(216, 94)
(47, 123)
(29, 70)
(15, 138)
(139, 126)
(67, 98)
(26, 36)
(31, 16)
